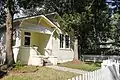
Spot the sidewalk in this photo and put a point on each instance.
(68, 69)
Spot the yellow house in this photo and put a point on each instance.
(35, 44)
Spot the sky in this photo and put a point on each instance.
(111, 6)
(108, 0)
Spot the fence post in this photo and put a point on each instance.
(96, 74)
(100, 74)
(86, 78)
(88, 75)
(91, 76)
(83, 77)
(80, 77)
(73, 78)
(77, 78)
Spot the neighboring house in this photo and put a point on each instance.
(34, 41)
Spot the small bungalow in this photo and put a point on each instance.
(35, 43)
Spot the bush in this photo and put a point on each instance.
(18, 64)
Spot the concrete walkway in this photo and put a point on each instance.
(68, 69)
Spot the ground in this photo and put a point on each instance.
(21, 72)
(87, 66)
(37, 73)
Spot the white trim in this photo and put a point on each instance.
(64, 43)
(36, 28)
(27, 36)
(53, 25)
(66, 49)
(50, 22)
(42, 16)
(63, 61)
(49, 46)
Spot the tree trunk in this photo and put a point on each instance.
(80, 49)
(9, 38)
(75, 60)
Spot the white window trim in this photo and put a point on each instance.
(24, 38)
(68, 43)
(64, 44)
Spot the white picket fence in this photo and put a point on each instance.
(105, 73)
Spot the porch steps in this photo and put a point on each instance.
(46, 62)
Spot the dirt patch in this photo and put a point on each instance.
(24, 71)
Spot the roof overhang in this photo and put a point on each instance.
(38, 16)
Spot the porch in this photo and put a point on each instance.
(35, 42)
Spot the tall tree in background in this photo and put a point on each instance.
(92, 24)
(77, 25)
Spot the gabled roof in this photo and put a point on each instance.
(34, 16)
(46, 16)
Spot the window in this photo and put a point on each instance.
(67, 41)
(14, 37)
(61, 40)
(64, 41)
(27, 38)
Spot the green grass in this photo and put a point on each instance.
(25, 69)
(21, 77)
(88, 66)
(42, 73)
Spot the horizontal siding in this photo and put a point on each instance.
(62, 54)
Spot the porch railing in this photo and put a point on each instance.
(49, 51)
(38, 53)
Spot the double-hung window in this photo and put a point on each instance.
(61, 40)
(64, 41)
(27, 36)
(67, 41)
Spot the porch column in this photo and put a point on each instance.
(48, 49)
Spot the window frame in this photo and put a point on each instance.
(28, 36)
(64, 42)
(67, 41)
(61, 42)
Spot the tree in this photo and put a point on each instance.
(77, 26)
(9, 32)
(92, 24)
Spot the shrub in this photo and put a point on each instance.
(18, 64)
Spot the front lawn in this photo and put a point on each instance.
(37, 73)
(88, 66)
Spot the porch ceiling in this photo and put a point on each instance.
(36, 28)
